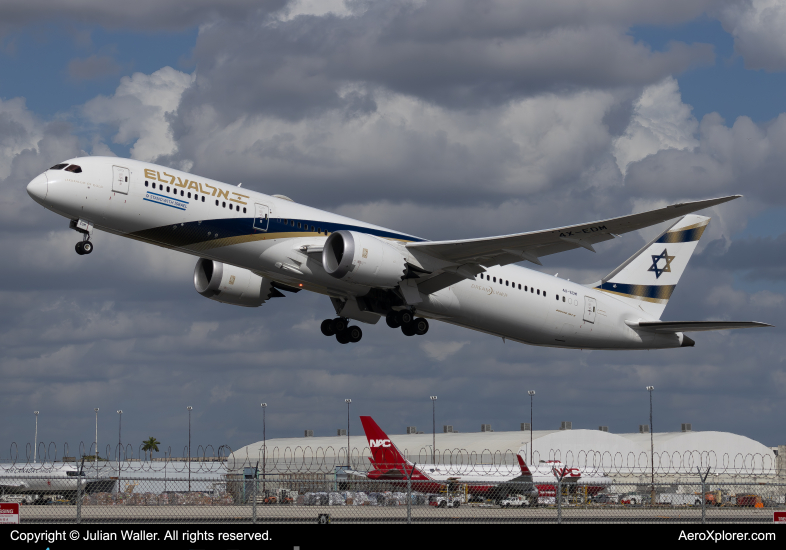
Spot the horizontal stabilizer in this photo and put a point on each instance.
(693, 326)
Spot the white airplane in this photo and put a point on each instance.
(252, 246)
(50, 479)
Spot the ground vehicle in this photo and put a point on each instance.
(604, 498)
(633, 498)
(515, 500)
(678, 499)
(444, 502)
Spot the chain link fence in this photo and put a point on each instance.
(292, 498)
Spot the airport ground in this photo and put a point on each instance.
(397, 514)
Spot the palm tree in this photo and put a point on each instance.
(150, 445)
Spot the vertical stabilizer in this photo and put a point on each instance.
(386, 457)
(523, 465)
(384, 453)
(648, 278)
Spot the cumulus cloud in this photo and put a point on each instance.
(468, 59)
(138, 110)
(757, 27)
(660, 121)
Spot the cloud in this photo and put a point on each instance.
(444, 119)
(138, 110)
(661, 121)
(757, 27)
(446, 53)
(439, 351)
(92, 67)
(142, 15)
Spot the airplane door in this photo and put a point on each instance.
(120, 177)
(261, 217)
(590, 304)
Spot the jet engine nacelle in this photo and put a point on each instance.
(363, 259)
(231, 285)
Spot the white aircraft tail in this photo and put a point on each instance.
(648, 278)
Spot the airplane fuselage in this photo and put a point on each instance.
(271, 235)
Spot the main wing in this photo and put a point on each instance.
(530, 246)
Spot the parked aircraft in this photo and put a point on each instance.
(253, 247)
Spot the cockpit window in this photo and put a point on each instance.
(58, 166)
(74, 168)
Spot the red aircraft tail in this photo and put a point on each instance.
(384, 453)
(524, 469)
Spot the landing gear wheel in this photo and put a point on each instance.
(342, 337)
(87, 247)
(408, 329)
(421, 326)
(327, 327)
(354, 334)
(392, 319)
(338, 325)
(404, 317)
(78, 248)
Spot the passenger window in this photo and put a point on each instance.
(319, 230)
(145, 183)
(563, 298)
(74, 168)
(519, 287)
(292, 223)
(224, 204)
(230, 206)
(189, 195)
(126, 179)
(203, 198)
(557, 297)
(58, 166)
(544, 293)
(299, 225)
(495, 279)
(312, 228)
(506, 283)
(538, 292)
(244, 210)
(167, 189)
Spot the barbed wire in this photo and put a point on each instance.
(308, 459)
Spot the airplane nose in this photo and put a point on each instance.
(37, 188)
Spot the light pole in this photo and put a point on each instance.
(96, 410)
(264, 448)
(531, 395)
(348, 401)
(189, 447)
(35, 449)
(119, 444)
(433, 428)
(652, 452)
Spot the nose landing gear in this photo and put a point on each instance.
(84, 247)
(339, 328)
(85, 228)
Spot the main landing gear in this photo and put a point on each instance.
(410, 325)
(339, 327)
